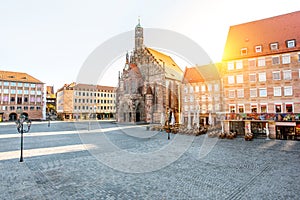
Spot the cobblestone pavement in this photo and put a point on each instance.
(57, 167)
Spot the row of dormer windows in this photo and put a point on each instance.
(272, 46)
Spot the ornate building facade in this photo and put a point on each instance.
(149, 85)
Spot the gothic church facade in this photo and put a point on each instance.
(149, 85)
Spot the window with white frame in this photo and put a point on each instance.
(289, 108)
(253, 108)
(191, 89)
(232, 108)
(253, 92)
(239, 78)
(258, 48)
(204, 109)
(216, 87)
(241, 108)
(290, 43)
(209, 107)
(251, 63)
(203, 88)
(231, 93)
(192, 98)
(287, 74)
(186, 108)
(277, 91)
(186, 89)
(275, 60)
(278, 107)
(230, 79)
(240, 93)
(276, 75)
(274, 46)
(230, 65)
(209, 98)
(217, 107)
(209, 87)
(261, 62)
(288, 90)
(252, 77)
(186, 99)
(298, 57)
(239, 64)
(203, 98)
(191, 108)
(286, 59)
(262, 92)
(244, 51)
(262, 77)
(197, 88)
(263, 108)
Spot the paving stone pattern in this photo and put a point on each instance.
(234, 169)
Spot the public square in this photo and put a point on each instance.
(58, 166)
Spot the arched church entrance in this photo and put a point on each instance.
(138, 113)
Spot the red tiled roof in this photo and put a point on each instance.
(192, 75)
(135, 68)
(202, 73)
(263, 32)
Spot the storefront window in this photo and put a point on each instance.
(278, 108)
(241, 109)
(263, 108)
(289, 107)
(258, 128)
(254, 108)
(232, 108)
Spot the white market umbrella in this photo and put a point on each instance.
(189, 121)
(209, 119)
(197, 119)
(181, 118)
(222, 124)
(172, 119)
(267, 131)
(194, 119)
(162, 119)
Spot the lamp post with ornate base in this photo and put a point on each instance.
(20, 128)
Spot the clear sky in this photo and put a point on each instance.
(50, 39)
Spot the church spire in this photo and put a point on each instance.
(139, 38)
(127, 58)
(139, 21)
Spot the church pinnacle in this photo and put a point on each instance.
(139, 38)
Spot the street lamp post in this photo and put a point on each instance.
(20, 128)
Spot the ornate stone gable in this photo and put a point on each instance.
(148, 86)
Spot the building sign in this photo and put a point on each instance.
(285, 123)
